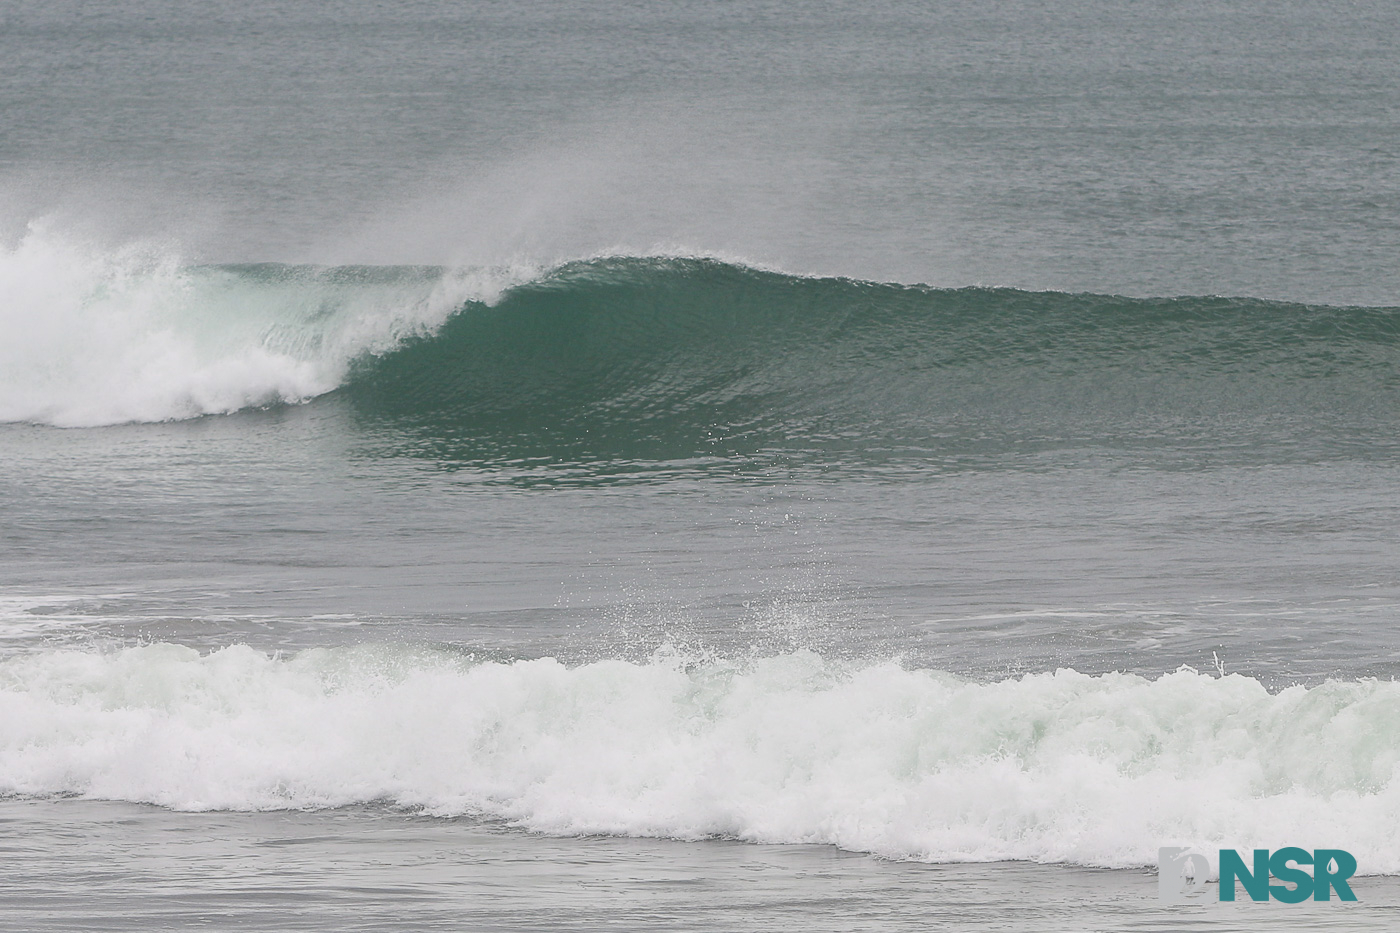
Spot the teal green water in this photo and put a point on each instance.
(647, 361)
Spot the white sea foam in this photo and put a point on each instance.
(905, 763)
(92, 335)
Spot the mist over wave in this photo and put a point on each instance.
(871, 756)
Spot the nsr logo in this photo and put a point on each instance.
(1181, 875)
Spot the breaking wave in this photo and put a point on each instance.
(674, 357)
(875, 757)
(97, 337)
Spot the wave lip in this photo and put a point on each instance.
(791, 749)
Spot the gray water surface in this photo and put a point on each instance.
(1148, 149)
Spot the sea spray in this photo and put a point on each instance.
(94, 335)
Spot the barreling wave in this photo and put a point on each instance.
(684, 357)
(873, 756)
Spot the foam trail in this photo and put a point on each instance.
(92, 336)
(1094, 770)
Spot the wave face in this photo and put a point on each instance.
(687, 357)
(788, 749)
(684, 357)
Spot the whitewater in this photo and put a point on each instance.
(911, 764)
(95, 335)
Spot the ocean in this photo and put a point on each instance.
(695, 466)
